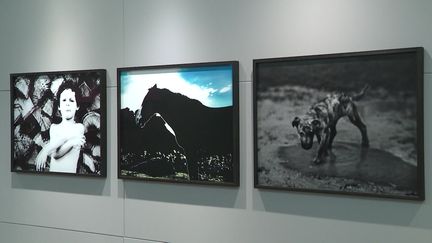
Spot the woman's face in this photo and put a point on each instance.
(68, 105)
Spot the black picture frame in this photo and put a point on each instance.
(36, 116)
(298, 99)
(168, 133)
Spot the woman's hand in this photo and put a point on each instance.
(40, 160)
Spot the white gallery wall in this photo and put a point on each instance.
(55, 35)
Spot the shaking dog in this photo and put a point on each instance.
(321, 120)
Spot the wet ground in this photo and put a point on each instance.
(350, 160)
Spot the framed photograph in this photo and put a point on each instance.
(349, 123)
(179, 123)
(58, 122)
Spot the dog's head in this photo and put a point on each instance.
(306, 129)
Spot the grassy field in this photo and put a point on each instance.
(174, 166)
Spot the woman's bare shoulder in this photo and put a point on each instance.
(54, 129)
(80, 127)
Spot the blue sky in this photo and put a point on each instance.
(210, 85)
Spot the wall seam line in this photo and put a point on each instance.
(133, 238)
(62, 229)
(123, 64)
(123, 35)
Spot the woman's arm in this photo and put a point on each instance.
(77, 140)
(60, 143)
(56, 140)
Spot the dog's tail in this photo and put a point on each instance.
(360, 95)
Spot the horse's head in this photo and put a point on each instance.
(151, 104)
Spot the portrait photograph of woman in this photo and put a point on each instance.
(58, 122)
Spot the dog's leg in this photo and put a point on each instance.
(357, 121)
(333, 133)
(318, 136)
(322, 149)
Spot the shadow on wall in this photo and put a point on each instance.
(61, 183)
(427, 61)
(366, 210)
(214, 196)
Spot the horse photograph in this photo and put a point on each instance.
(179, 123)
(349, 123)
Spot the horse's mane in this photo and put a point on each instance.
(177, 98)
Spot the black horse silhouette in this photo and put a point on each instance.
(200, 130)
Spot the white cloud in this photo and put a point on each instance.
(211, 90)
(140, 83)
(225, 89)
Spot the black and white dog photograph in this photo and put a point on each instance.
(58, 122)
(179, 123)
(349, 123)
